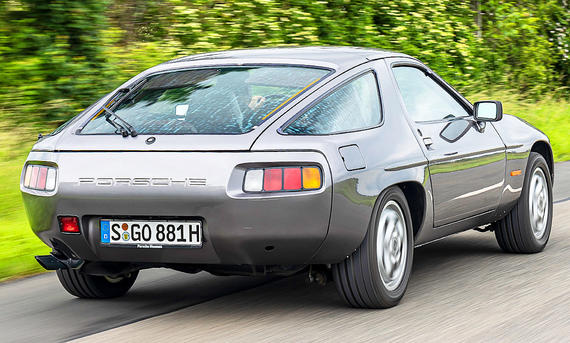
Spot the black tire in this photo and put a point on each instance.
(358, 278)
(515, 232)
(95, 287)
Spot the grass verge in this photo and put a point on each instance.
(548, 115)
(18, 244)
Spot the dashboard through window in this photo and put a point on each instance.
(425, 99)
(352, 107)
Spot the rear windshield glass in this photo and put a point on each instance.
(227, 100)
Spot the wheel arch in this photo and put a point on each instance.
(416, 197)
(543, 148)
(342, 241)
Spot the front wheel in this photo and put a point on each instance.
(93, 286)
(526, 228)
(376, 275)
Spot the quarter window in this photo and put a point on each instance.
(353, 106)
(424, 98)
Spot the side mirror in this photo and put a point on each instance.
(488, 110)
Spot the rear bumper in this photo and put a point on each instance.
(238, 228)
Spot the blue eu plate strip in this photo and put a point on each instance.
(105, 231)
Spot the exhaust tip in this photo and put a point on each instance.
(49, 262)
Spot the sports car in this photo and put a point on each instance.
(331, 161)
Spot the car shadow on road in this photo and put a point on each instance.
(440, 262)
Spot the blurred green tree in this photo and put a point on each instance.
(57, 56)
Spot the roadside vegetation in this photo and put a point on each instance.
(18, 245)
(57, 57)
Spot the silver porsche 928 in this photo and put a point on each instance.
(269, 161)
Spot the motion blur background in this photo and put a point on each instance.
(57, 57)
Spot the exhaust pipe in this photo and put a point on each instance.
(50, 262)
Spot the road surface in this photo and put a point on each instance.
(462, 288)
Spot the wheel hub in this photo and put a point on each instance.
(391, 243)
(538, 203)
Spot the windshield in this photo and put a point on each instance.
(226, 100)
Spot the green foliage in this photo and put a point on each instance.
(58, 56)
(51, 58)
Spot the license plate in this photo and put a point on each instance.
(151, 234)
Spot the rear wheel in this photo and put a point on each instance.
(94, 286)
(526, 228)
(376, 275)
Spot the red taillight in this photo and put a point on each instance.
(42, 178)
(34, 178)
(292, 179)
(69, 224)
(272, 179)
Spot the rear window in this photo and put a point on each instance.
(226, 100)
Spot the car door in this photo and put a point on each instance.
(466, 159)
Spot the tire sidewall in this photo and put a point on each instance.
(535, 161)
(396, 195)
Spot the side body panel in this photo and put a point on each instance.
(391, 156)
(467, 175)
(467, 164)
(519, 137)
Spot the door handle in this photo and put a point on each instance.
(451, 153)
(428, 142)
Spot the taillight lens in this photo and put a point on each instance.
(311, 178)
(69, 224)
(273, 179)
(282, 179)
(41, 178)
(292, 179)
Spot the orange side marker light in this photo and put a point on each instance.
(516, 172)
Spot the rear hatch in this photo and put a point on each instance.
(203, 109)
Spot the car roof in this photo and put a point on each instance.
(344, 57)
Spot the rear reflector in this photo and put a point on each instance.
(41, 178)
(282, 179)
(69, 224)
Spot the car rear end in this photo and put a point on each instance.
(184, 189)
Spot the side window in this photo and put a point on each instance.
(353, 106)
(424, 98)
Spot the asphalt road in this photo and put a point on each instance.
(462, 288)
(561, 182)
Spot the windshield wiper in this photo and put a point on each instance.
(121, 126)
